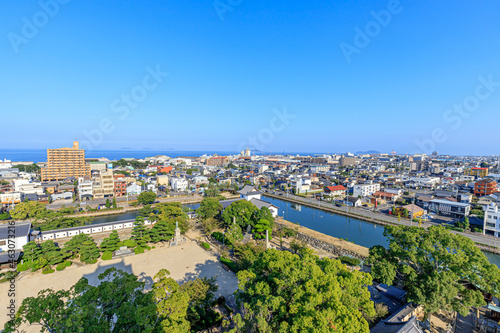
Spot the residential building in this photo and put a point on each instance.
(85, 189)
(335, 191)
(103, 182)
(352, 201)
(162, 180)
(449, 208)
(134, 189)
(217, 161)
(179, 184)
(347, 161)
(365, 189)
(478, 172)
(492, 220)
(485, 187)
(301, 184)
(9, 198)
(65, 162)
(120, 186)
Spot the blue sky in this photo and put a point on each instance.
(228, 78)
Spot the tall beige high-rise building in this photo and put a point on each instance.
(65, 162)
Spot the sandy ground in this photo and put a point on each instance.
(185, 262)
(328, 239)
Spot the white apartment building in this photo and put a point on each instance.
(5, 164)
(11, 198)
(365, 189)
(179, 184)
(300, 184)
(319, 168)
(492, 221)
(85, 189)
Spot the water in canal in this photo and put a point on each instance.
(360, 232)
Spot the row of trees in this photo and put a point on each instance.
(278, 290)
(119, 303)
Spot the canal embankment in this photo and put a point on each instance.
(336, 246)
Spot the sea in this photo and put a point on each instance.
(40, 155)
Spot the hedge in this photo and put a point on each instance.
(219, 236)
(130, 243)
(47, 270)
(206, 245)
(23, 267)
(61, 266)
(350, 261)
(68, 263)
(107, 255)
(138, 250)
(231, 264)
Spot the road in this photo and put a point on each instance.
(122, 201)
(477, 238)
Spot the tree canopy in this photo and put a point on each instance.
(119, 303)
(244, 211)
(209, 207)
(146, 198)
(285, 292)
(439, 269)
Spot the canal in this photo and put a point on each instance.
(360, 232)
(357, 231)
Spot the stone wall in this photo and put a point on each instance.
(321, 245)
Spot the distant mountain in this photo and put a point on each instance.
(367, 152)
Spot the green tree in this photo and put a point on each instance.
(108, 203)
(172, 303)
(162, 231)
(212, 191)
(209, 207)
(284, 292)
(261, 227)
(30, 209)
(140, 233)
(244, 211)
(234, 234)
(146, 198)
(110, 243)
(114, 203)
(89, 252)
(116, 304)
(436, 267)
(52, 253)
(75, 245)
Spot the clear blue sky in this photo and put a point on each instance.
(226, 76)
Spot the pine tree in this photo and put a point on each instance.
(140, 233)
(162, 231)
(75, 244)
(110, 243)
(89, 252)
(31, 252)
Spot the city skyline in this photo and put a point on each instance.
(298, 77)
